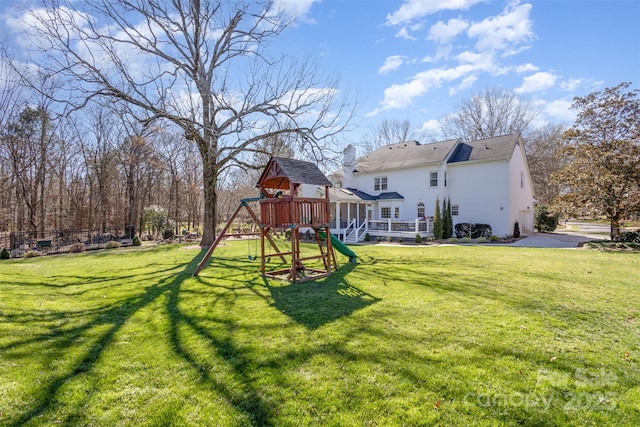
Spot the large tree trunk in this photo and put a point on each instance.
(615, 228)
(210, 202)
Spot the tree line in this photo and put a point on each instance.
(175, 104)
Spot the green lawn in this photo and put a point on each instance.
(411, 336)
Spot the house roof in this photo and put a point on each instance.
(405, 155)
(500, 147)
(390, 195)
(353, 195)
(280, 172)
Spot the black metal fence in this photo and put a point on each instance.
(58, 241)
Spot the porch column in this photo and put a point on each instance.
(338, 227)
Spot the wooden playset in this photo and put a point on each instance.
(282, 209)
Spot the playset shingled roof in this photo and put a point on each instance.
(282, 172)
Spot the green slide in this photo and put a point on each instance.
(342, 248)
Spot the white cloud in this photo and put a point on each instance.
(558, 111)
(403, 33)
(295, 8)
(505, 32)
(445, 32)
(392, 63)
(401, 95)
(537, 82)
(571, 85)
(526, 68)
(415, 9)
(466, 83)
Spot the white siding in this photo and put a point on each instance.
(521, 192)
(481, 192)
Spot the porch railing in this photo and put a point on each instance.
(390, 227)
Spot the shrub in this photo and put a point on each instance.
(544, 222)
(630, 236)
(112, 244)
(494, 238)
(389, 239)
(465, 229)
(516, 230)
(418, 238)
(32, 254)
(481, 239)
(77, 247)
(465, 239)
(136, 241)
(167, 234)
(452, 240)
(5, 254)
(367, 237)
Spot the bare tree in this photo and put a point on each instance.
(387, 132)
(490, 113)
(202, 65)
(544, 147)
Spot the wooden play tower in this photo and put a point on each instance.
(282, 209)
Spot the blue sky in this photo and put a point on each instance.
(417, 59)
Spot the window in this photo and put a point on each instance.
(454, 210)
(421, 210)
(380, 183)
(445, 178)
(385, 213)
(433, 180)
(396, 213)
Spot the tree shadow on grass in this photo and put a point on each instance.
(314, 304)
(114, 317)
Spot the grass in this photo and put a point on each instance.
(409, 336)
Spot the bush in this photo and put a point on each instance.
(77, 247)
(167, 234)
(481, 239)
(452, 240)
(494, 238)
(465, 229)
(465, 239)
(136, 241)
(112, 244)
(32, 254)
(5, 254)
(544, 222)
(516, 230)
(418, 238)
(629, 236)
(367, 237)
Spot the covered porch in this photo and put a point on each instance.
(352, 214)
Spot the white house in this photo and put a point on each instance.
(392, 191)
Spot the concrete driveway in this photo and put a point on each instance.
(582, 232)
(553, 240)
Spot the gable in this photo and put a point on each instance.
(404, 155)
(498, 148)
(282, 172)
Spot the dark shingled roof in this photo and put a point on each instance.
(500, 147)
(390, 195)
(405, 155)
(281, 171)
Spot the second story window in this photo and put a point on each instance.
(380, 183)
(433, 179)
